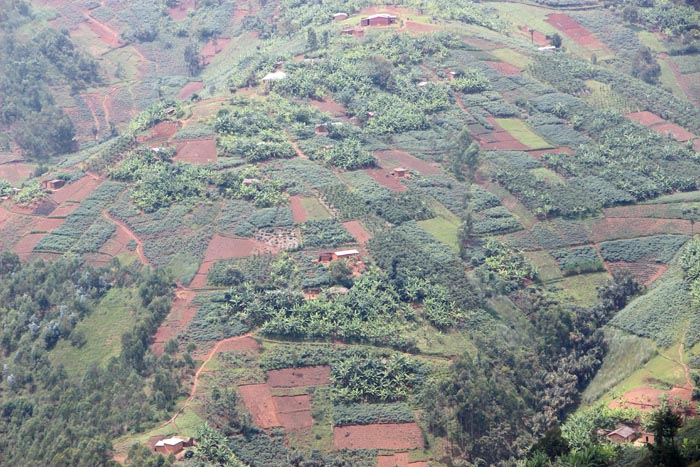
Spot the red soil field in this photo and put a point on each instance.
(240, 344)
(197, 151)
(331, 107)
(48, 224)
(497, 138)
(212, 48)
(383, 177)
(25, 246)
(76, 191)
(258, 400)
(644, 273)
(646, 398)
(13, 227)
(106, 34)
(618, 227)
(678, 133)
(640, 210)
(388, 160)
(298, 213)
(504, 68)
(181, 313)
(358, 232)
(179, 12)
(16, 172)
(299, 377)
(65, 209)
(539, 38)
(163, 130)
(418, 28)
(378, 436)
(399, 459)
(394, 10)
(646, 118)
(537, 153)
(223, 248)
(117, 244)
(294, 412)
(575, 31)
(189, 89)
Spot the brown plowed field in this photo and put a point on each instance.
(536, 36)
(504, 68)
(419, 28)
(678, 133)
(117, 244)
(646, 398)
(394, 158)
(64, 210)
(641, 210)
(646, 118)
(181, 314)
(189, 89)
(298, 212)
(644, 273)
(539, 152)
(618, 227)
(299, 377)
(239, 344)
(48, 224)
(16, 172)
(258, 400)
(197, 151)
(294, 412)
(213, 48)
(378, 436)
(25, 246)
(399, 459)
(331, 107)
(76, 191)
(163, 130)
(575, 31)
(384, 178)
(223, 248)
(358, 232)
(497, 138)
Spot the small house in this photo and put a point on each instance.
(399, 172)
(340, 16)
(381, 19)
(54, 184)
(645, 438)
(170, 446)
(321, 129)
(325, 256)
(271, 78)
(345, 254)
(623, 434)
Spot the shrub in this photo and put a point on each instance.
(325, 232)
(578, 260)
(659, 248)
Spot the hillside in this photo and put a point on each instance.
(345, 233)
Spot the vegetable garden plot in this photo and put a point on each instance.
(399, 459)
(659, 125)
(504, 68)
(189, 89)
(358, 232)
(645, 273)
(299, 377)
(258, 400)
(76, 191)
(298, 212)
(294, 412)
(630, 227)
(378, 436)
(181, 313)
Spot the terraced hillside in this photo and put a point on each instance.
(421, 243)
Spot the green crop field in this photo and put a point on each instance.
(523, 133)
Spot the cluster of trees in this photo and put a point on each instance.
(45, 416)
(28, 66)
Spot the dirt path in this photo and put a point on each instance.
(195, 381)
(300, 153)
(681, 360)
(139, 243)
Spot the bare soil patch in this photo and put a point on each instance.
(244, 343)
(196, 151)
(189, 89)
(644, 273)
(575, 31)
(504, 68)
(378, 436)
(213, 48)
(646, 118)
(76, 191)
(358, 232)
(48, 224)
(419, 28)
(294, 412)
(179, 12)
(118, 243)
(25, 246)
(628, 227)
(333, 108)
(399, 459)
(384, 178)
(65, 209)
(394, 10)
(181, 314)
(298, 212)
(535, 36)
(16, 172)
(678, 133)
(299, 377)
(394, 158)
(223, 248)
(106, 34)
(647, 399)
(258, 400)
(163, 130)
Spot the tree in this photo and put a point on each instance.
(192, 59)
(665, 425)
(556, 40)
(311, 39)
